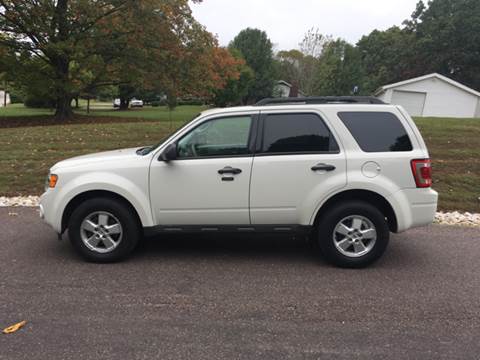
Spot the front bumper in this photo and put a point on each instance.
(48, 211)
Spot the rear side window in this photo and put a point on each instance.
(296, 133)
(377, 131)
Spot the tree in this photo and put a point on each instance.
(389, 56)
(54, 33)
(312, 46)
(167, 56)
(339, 70)
(442, 36)
(256, 49)
(447, 36)
(298, 67)
(84, 44)
(236, 88)
(288, 65)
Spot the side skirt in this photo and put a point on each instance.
(215, 229)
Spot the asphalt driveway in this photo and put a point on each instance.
(238, 298)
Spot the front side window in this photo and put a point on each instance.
(376, 131)
(297, 133)
(218, 137)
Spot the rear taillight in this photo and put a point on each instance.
(422, 172)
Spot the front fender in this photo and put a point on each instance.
(105, 181)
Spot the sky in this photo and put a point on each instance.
(286, 21)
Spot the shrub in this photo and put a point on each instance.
(191, 102)
(16, 96)
(43, 102)
(157, 103)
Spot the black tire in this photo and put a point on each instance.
(337, 213)
(131, 230)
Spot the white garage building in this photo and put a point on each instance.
(432, 95)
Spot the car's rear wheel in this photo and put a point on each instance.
(353, 234)
(103, 230)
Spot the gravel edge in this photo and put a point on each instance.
(446, 218)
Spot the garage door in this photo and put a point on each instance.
(413, 102)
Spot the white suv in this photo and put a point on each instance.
(345, 171)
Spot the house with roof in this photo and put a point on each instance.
(433, 95)
(284, 89)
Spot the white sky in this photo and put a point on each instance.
(286, 21)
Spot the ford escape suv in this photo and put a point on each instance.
(345, 171)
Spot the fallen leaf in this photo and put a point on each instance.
(15, 327)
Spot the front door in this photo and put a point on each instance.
(208, 184)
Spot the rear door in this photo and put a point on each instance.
(298, 163)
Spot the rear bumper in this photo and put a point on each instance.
(414, 207)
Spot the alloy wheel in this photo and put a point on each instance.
(354, 236)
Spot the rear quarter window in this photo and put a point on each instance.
(376, 131)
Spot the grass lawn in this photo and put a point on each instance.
(454, 146)
(27, 152)
(18, 110)
(160, 113)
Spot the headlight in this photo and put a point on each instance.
(51, 181)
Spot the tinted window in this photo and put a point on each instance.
(219, 137)
(377, 131)
(290, 133)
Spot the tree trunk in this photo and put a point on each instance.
(124, 104)
(61, 61)
(63, 108)
(293, 90)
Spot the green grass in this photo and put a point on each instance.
(27, 152)
(454, 146)
(160, 113)
(19, 110)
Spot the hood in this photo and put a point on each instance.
(106, 156)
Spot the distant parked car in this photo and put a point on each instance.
(136, 103)
(116, 103)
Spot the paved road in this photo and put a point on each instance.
(238, 298)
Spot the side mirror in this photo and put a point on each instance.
(170, 153)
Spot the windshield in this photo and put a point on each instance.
(148, 149)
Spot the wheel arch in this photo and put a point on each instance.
(92, 194)
(368, 196)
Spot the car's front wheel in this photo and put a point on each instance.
(353, 234)
(103, 230)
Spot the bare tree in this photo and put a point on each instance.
(312, 46)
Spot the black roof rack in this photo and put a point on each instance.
(321, 100)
